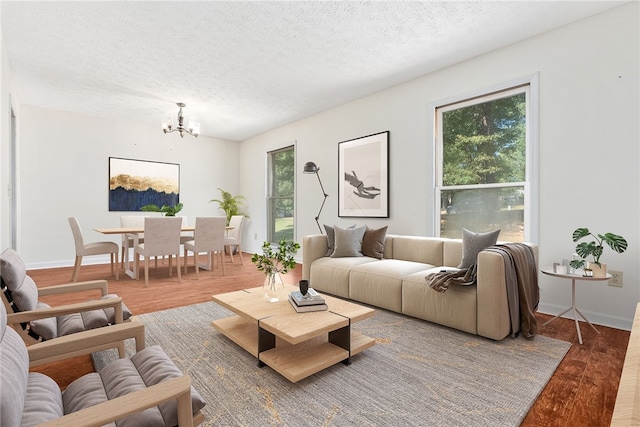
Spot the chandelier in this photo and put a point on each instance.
(193, 128)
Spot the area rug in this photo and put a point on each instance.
(417, 374)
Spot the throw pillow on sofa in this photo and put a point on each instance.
(331, 237)
(473, 243)
(373, 242)
(348, 242)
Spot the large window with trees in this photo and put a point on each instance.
(280, 194)
(485, 164)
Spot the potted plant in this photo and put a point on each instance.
(165, 210)
(594, 250)
(273, 263)
(230, 204)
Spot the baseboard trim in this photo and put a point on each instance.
(594, 317)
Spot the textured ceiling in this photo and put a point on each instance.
(243, 68)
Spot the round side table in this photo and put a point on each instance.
(573, 278)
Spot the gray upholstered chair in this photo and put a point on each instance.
(209, 237)
(146, 390)
(87, 249)
(38, 320)
(234, 236)
(161, 237)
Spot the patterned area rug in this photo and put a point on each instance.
(417, 374)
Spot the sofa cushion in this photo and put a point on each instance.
(380, 283)
(373, 242)
(473, 243)
(418, 249)
(456, 308)
(331, 275)
(348, 242)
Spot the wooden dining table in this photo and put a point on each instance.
(133, 233)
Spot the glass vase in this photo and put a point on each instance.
(273, 286)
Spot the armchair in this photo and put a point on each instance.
(37, 321)
(147, 389)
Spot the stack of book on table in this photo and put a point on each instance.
(312, 301)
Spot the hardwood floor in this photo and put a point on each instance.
(582, 391)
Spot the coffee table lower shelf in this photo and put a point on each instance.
(294, 362)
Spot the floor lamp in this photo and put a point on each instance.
(311, 167)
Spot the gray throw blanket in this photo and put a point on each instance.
(521, 280)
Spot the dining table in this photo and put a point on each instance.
(133, 233)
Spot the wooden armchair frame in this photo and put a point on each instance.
(15, 319)
(85, 342)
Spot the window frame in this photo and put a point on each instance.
(270, 198)
(529, 85)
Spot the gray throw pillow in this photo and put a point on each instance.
(331, 238)
(348, 242)
(473, 243)
(373, 242)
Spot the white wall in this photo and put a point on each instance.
(64, 172)
(588, 150)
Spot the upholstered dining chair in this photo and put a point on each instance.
(161, 237)
(87, 249)
(233, 240)
(40, 322)
(147, 389)
(209, 237)
(130, 221)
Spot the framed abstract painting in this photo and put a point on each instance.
(363, 176)
(135, 183)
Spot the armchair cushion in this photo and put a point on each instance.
(22, 288)
(47, 328)
(144, 369)
(43, 401)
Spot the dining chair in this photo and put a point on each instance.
(130, 221)
(88, 249)
(209, 237)
(161, 237)
(233, 241)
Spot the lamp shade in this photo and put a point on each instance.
(310, 167)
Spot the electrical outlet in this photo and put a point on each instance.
(616, 278)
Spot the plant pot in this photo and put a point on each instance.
(273, 287)
(599, 271)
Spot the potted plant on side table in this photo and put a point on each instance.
(594, 250)
(273, 263)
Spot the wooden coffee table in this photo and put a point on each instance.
(296, 345)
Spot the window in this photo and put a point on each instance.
(280, 197)
(484, 165)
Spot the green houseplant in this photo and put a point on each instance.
(230, 204)
(594, 250)
(165, 210)
(274, 262)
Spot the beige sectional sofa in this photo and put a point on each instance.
(397, 282)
